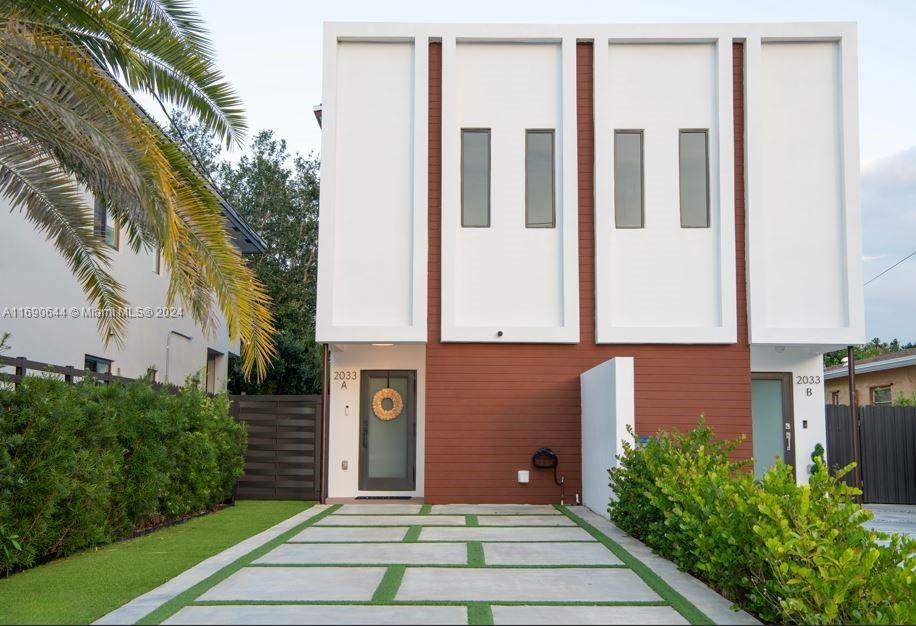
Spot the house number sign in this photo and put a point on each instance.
(808, 382)
(344, 376)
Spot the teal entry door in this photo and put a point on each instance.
(388, 430)
(771, 413)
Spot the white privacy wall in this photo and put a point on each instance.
(608, 407)
(372, 237)
(804, 248)
(663, 282)
(521, 281)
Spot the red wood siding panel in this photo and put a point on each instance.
(489, 406)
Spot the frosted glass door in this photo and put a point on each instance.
(769, 419)
(387, 431)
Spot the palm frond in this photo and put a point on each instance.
(54, 93)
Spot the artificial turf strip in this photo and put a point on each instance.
(678, 602)
(388, 588)
(471, 520)
(83, 587)
(479, 613)
(413, 534)
(189, 595)
(421, 603)
(426, 509)
(475, 554)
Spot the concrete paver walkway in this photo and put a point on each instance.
(450, 564)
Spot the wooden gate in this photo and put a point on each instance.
(887, 442)
(283, 461)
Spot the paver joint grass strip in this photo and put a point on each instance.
(475, 554)
(413, 534)
(678, 602)
(471, 520)
(391, 582)
(479, 613)
(426, 509)
(186, 597)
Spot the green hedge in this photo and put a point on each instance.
(785, 553)
(89, 463)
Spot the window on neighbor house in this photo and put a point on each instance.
(881, 395)
(475, 178)
(540, 202)
(628, 179)
(97, 365)
(694, 178)
(835, 397)
(105, 226)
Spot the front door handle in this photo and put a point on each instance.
(365, 436)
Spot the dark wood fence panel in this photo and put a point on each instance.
(887, 441)
(839, 442)
(284, 435)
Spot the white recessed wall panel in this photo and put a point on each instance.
(374, 192)
(372, 232)
(803, 224)
(507, 277)
(663, 282)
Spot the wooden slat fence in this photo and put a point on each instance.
(284, 446)
(21, 367)
(887, 442)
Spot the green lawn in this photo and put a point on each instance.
(81, 588)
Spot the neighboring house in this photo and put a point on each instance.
(44, 309)
(879, 379)
(505, 207)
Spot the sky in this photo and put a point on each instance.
(270, 50)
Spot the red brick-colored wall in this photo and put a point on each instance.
(489, 406)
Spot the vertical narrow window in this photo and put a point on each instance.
(105, 227)
(475, 178)
(628, 179)
(694, 178)
(540, 202)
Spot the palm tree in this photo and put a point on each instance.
(66, 123)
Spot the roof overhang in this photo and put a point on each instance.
(873, 366)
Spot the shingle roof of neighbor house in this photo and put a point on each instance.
(889, 361)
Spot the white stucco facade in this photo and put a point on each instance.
(658, 284)
(34, 277)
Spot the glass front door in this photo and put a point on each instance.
(771, 415)
(387, 457)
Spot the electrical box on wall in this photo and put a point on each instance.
(523, 476)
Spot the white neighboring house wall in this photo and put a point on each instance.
(34, 275)
(608, 408)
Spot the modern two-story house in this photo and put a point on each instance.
(506, 207)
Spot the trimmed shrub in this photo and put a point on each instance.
(88, 463)
(786, 553)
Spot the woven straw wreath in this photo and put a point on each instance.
(397, 404)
